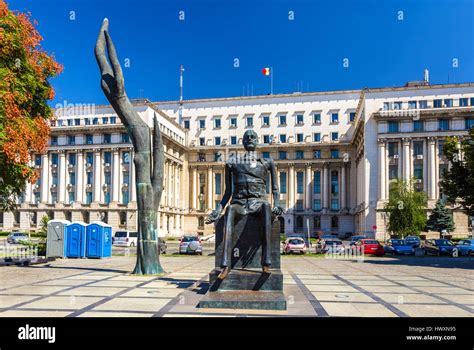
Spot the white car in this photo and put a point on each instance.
(125, 238)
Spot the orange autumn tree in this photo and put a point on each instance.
(25, 70)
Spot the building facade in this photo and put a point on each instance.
(335, 152)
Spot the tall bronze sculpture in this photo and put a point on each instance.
(245, 187)
(148, 158)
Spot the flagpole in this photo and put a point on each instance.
(271, 80)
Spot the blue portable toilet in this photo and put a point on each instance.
(98, 240)
(76, 239)
(56, 238)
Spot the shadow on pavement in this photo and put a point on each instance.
(427, 261)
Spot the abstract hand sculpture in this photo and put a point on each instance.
(148, 166)
(245, 182)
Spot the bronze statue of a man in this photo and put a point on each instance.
(245, 187)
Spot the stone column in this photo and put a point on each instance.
(326, 187)
(44, 177)
(406, 159)
(177, 179)
(432, 168)
(80, 177)
(195, 188)
(343, 187)
(291, 187)
(97, 171)
(382, 167)
(116, 175)
(210, 205)
(133, 186)
(308, 186)
(62, 177)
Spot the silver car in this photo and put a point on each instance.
(16, 237)
(190, 245)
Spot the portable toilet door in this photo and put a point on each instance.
(99, 240)
(55, 239)
(76, 239)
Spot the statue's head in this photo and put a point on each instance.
(250, 140)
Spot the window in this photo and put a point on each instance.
(186, 124)
(38, 159)
(411, 104)
(316, 204)
(217, 123)
(317, 137)
(448, 102)
(334, 136)
(217, 157)
(113, 120)
(334, 118)
(72, 158)
(437, 103)
(125, 137)
(334, 222)
(89, 139)
(393, 126)
(386, 106)
(441, 148)
(418, 171)
(71, 140)
(317, 222)
(233, 122)
(71, 197)
(334, 182)
(443, 124)
(469, 123)
(463, 102)
(393, 171)
(202, 141)
(282, 120)
(282, 182)
(217, 140)
(299, 182)
(89, 158)
(266, 138)
(282, 138)
(87, 121)
(72, 178)
(299, 137)
(202, 124)
(317, 154)
(249, 122)
(108, 158)
(126, 157)
(472, 101)
(418, 125)
(282, 155)
(299, 207)
(317, 118)
(397, 105)
(95, 121)
(266, 120)
(233, 140)
(352, 116)
(266, 155)
(317, 181)
(392, 149)
(70, 122)
(217, 181)
(334, 204)
(299, 119)
(88, 197)
(54, 140)
(55, 159)
(107, 138)
(299, 221)
(417, 148)
(334, 153)
(423, 104)
(299, 155)
(77, 122)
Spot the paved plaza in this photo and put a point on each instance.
(314, 286)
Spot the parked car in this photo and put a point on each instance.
(163, 246)
(466, 247)
(16, 237)
(439, 247)
(125, 238)
(190, 245)
(370, 246)
(208, 238)
(333, 246)
(354, 239)
(413, 241)
(398, 247)
(294, 245)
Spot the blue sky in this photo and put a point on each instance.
(306, 53)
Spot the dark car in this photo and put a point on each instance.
(354, 239)
(413, 241)
(439, 247)
(398, 247)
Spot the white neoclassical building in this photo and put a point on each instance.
(336, 153)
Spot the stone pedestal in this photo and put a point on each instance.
(246, 286)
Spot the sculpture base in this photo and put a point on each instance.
(247, 279)
(244, 299)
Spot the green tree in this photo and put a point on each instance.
(440, 218)
(405, 209)
(25, 71)
(43, 231)
(458, 182)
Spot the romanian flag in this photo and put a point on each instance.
(266, 71)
